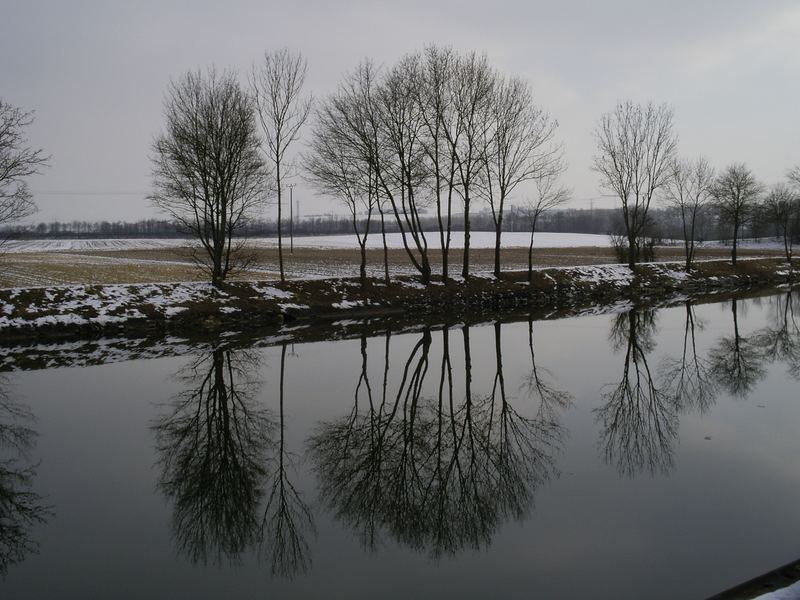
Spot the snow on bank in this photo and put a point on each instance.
(114, 304)
(478, 239)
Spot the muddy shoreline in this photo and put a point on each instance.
(62, 324)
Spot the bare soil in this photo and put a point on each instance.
(165, 265)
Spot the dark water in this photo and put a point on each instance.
(652, 454)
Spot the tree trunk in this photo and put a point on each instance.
(735, 238)
(465, 266)
(530, 258)
(362, 272)
(280, 240)
(497, 234)
(632, 251)
(385, 248)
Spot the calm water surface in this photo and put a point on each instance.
(647, 454)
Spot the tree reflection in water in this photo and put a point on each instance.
(219, 453)
(286, 518)
(20, 507)
(688, 378)
(780, 340)
(552, 401)
(737, 362)
(437, 474)
(639, 420)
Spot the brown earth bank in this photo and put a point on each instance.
(196, 311)
(33, 354)
(27, 269)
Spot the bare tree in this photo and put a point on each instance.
(736, 192)
(207, 171)
(549, 195)
(519, 146)
(432, 89)
(782, 207)
(473, 86)
(337, 163)
(794, 177)
(635, 145)
(18, 161)
(277, 85)
(400, 170)
(688, 190)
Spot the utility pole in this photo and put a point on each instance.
(291, 218)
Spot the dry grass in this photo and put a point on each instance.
(164, 265)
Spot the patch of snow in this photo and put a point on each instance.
(348, 304)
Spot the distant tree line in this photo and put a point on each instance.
(666, 225)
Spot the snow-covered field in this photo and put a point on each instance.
(478, 239)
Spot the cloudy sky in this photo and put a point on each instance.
(95, 74)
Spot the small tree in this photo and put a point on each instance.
(688, 190)
(635, 145)
(782, 208)
(519, 146)
(336, 166)
(18, 161)
(282, 110)
(549, 195)
(735, 195)
(207, 171)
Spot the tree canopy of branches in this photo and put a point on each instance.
(277, 85)
(782, 206)
(341, 160)
(688, 190)
(736, 192)
(433, 127)
(549, 195)
(519, 146)
(18, 161)
(207, 171)
(635, 145)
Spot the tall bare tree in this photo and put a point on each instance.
(339, 165)
(549, 195)
(400, 169)
(473, 85)
(519, 147)
(207, 170)
(782, 206)
(18, 161)
(433, 92)
(688, 190)
(277, 85)
(635, 145)
(736, 192)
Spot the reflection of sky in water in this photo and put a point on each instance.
(570, 481)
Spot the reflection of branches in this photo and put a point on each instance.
(640, 422)
(688, 379)
(286, 516)
(781, 339)
(211, 446)
(20, 506)
(437, 475)
(736, 362)
(551, 400)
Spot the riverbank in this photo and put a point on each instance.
(198, 309)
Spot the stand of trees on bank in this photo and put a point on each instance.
(438, 142)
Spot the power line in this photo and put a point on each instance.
(79, 193)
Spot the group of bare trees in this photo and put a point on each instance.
(438, 130)
(224, 152)
(637, 160)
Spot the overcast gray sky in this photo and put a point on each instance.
(95, 74)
